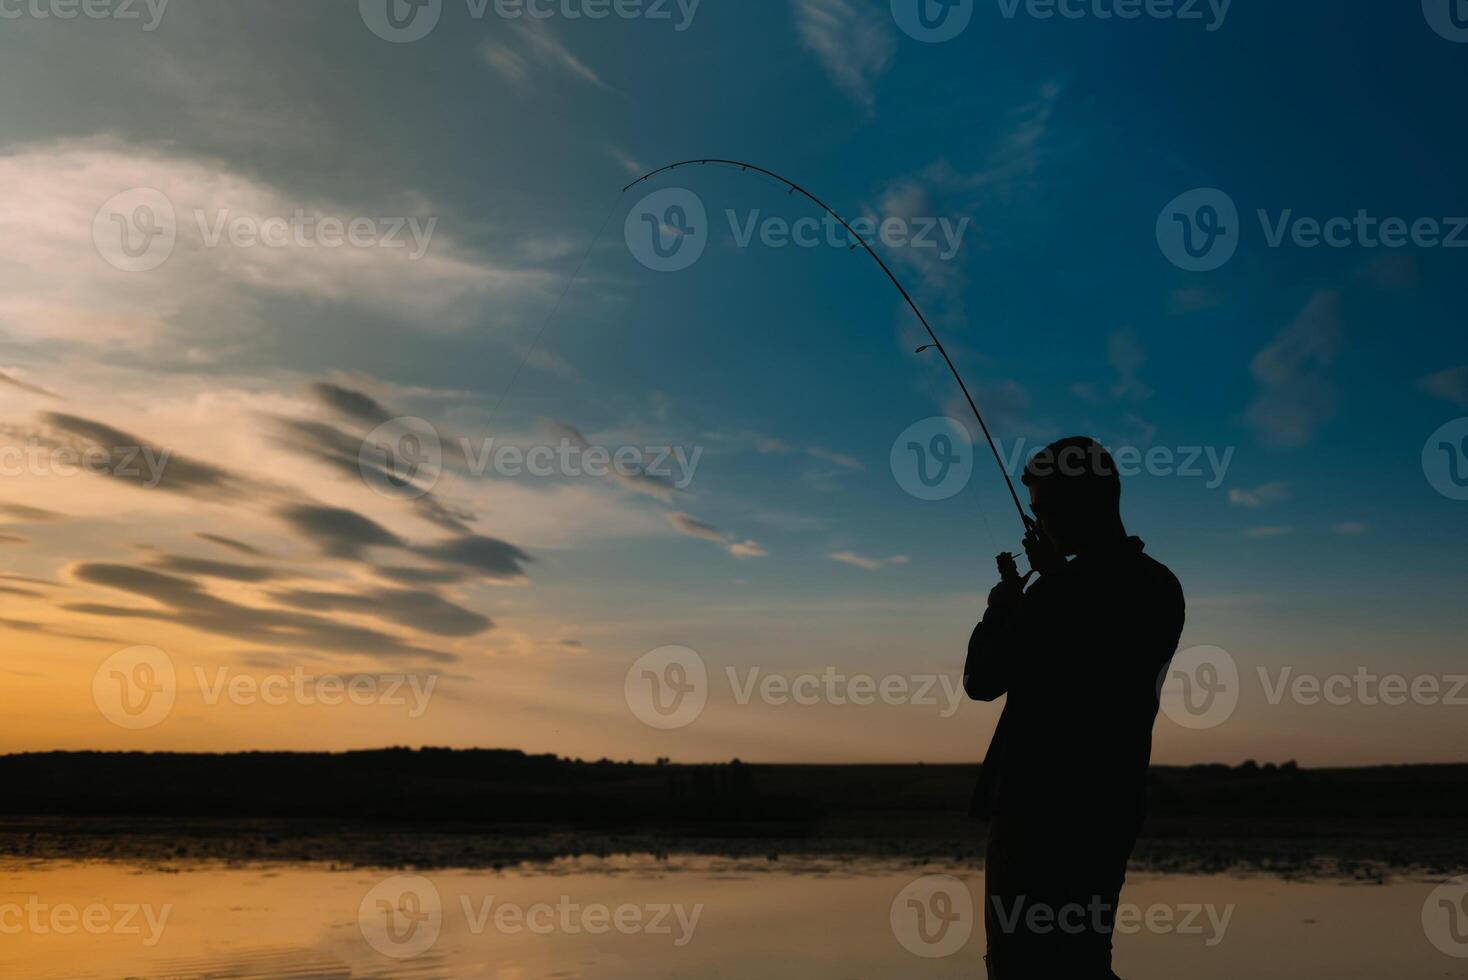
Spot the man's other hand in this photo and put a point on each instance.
(1008, 594)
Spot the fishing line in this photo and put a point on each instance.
(556, 307)
(935, 344)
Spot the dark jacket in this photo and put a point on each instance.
(1081, 659)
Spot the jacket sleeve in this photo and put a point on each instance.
(992, 652)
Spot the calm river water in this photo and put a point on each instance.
(643, 919)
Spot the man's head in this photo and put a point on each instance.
(1075, 492)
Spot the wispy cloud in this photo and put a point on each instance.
(59, 288)
(748, 549)
(637, 480)
(1349, 528)
(839, 459)
(1269, 531)
(533, 50)
(629, 164)
(854, 41)
(1450, 385)
(866, 563)
(31, 515)
(1016, 154)
(1125, 355)
(1297, 393)
(14, 382)
(1260, 496)
(233, 545)
(695, 528)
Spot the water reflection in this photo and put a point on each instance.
(618, 920)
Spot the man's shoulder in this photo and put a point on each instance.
(1158, 578)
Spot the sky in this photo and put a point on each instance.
(239, 243)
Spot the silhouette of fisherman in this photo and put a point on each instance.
(1079, 654)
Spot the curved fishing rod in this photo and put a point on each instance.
(862, 243)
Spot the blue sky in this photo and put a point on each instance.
(1319, 372)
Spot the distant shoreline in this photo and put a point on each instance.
(496, 808)
(162, 843)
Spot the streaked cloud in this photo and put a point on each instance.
(695, 528)
(59, 288)
(531, 51)
(1260, 496)
(865, 563)
(14, 382)
(1297, 392)
(854, 41)
(1450, 385)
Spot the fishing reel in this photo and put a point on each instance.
(1009, 570)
